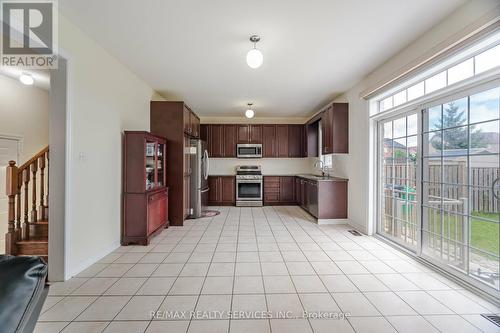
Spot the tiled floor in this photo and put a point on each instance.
(260, 265)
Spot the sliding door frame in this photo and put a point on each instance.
(418, 107)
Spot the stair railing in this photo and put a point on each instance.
(20, 180)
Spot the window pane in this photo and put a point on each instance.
(400, 98)
(488, 59)
(455, 113)
(386, 103)
(431, 171)
(455, 141)
(435, 82)
(412, 124)
(416, 91)
(461, 71)
(433, 119)
(388, 130)
(400, 127)
(484, 137)
(434, 143)
(484, 106)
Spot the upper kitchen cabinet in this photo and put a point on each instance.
(216, 141)
(296, 140)
(268, 141)
(221, 139)
(230, 134)
(334, 126)
(249, 133)
(191, 121)
(282, 140)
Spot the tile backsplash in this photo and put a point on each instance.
(270, 166)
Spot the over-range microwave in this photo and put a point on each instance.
(249, 150)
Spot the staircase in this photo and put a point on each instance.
(28, 207)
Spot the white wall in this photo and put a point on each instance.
(104, 98)
(24, 112)
(357, 164)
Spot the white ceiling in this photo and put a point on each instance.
(313, 50)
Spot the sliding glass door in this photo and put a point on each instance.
(440, 183)
(399, 161)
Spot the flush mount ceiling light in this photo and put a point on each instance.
(254, 56)
(26, 79)
(249, 113)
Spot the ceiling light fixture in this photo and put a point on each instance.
(254, 56)
(249, 113)
(26, 79)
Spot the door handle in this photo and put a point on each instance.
(205, 190)
(493, 188)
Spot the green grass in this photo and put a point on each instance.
(484, 235)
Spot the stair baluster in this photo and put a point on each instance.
(41, 207)
(11, 189)
(26, 225)
(34, 170)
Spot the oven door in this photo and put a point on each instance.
(248, 190)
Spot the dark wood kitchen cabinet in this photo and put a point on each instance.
(222, 190)
(176, 122)
(335, 129)
(323, 199)
(282, 140)
(221, 139)
(287, 189)
(230, 138)
(216, 141)
(296, 141)
(145, 197)
(249, 133)
(279, 190)
(268, 141)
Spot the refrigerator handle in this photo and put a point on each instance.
(207, 164)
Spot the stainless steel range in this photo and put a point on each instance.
(248, 185)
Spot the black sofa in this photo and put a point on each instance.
(23, 290)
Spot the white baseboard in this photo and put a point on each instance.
(89, 262)
(332, 221)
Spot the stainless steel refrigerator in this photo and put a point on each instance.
(199, 177)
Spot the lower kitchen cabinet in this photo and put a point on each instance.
(222, 190)
(322, 199)
(279, 190)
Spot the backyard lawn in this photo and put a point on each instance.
(484, 235)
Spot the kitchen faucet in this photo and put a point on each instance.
(322, 166)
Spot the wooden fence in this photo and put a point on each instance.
(481, 179)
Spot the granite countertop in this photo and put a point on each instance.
(322, 179)
(305, 176)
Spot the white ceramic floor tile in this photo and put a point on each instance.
(67, 309)
(371, 325)
(278, 284)
(338, 283)
(127, 327)
(187, 286)
(248, 285)
(389, 304)
(176, 308)
(249, 326)
(156, 286)
(168, 326)
(319, 303)
(290, 326)
(279, 304)
(206, 326)
(85, 327)
(50, 327)
(308, 284)
(331, 325)
(218, 285)
(452, 324)
(367, 282)
(356, 304)
(411, 324)
(424, 303)
(104, 308)
(140, 308)
(125, 286)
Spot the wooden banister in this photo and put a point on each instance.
(20, 183)
(34, 158)
(11, 190)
